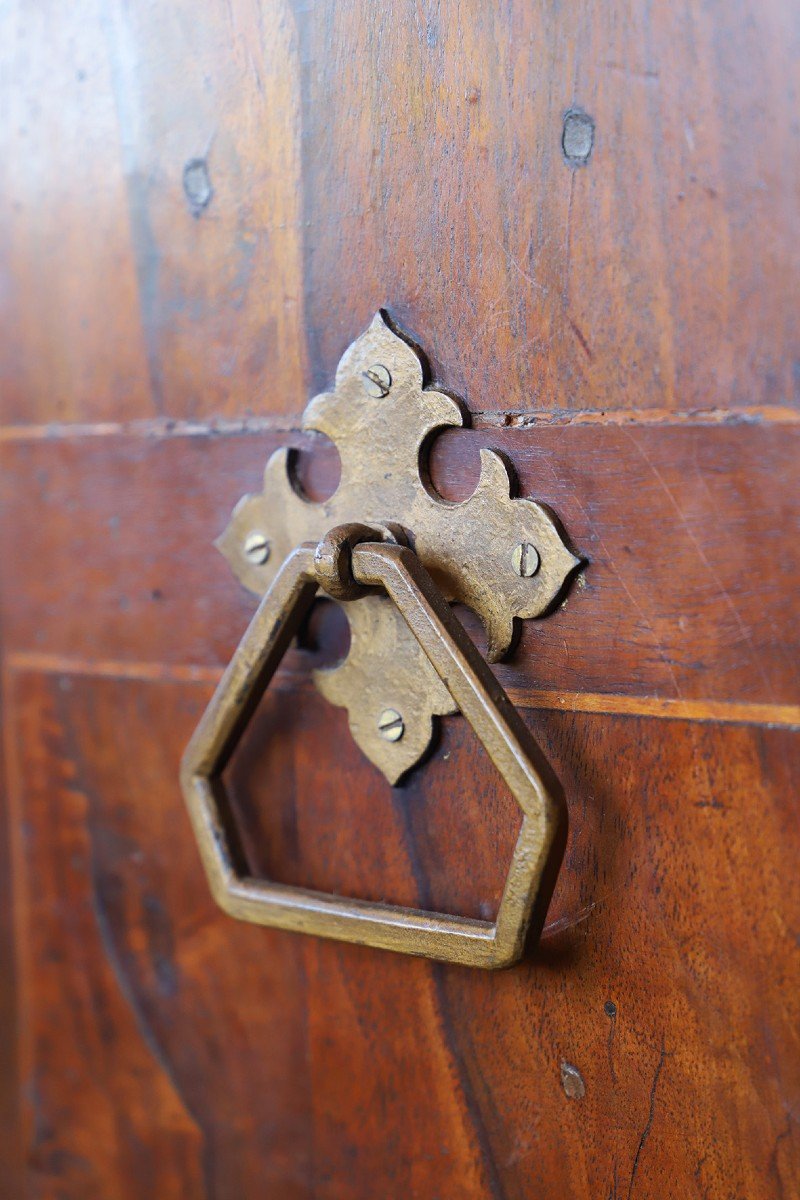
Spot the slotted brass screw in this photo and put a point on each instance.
(391, 725)
(256, 548)
(378, 380)
(525, 559)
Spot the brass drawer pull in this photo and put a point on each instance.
(347, 564)
(501, 555)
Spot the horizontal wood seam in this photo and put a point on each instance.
(719, 711)
(723, 711)
(291, 423)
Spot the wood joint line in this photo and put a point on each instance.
(730, 712)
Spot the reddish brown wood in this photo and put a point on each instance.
(11, 1149)
(120, 302)
(227, 1054)
(626, 332)
(360, 155)
(690, 591)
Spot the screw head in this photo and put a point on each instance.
(377, 380)
(391, 725)
(577, 138)
(525, 559)
(256, 548)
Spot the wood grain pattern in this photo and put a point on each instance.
(629, 283)
(690, 533)
(626, 331)
(11, 1150)
(360, 155)
(72, 339)
(322, 1070)
(119, 300)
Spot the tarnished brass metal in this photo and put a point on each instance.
(406, 585)
(504, 558)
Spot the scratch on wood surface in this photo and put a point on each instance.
(569, 920)
(645, 1134)
(507, 253)
(634, 72)
(582, 339)
(635, 605)
(568, 244)
(723, 591)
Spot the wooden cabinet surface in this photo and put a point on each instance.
(589, 216)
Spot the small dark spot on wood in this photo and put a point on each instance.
(472, 95)
(572, 1081)
(577, 137)
(610, 1009)
(166, 975)
(197, 185)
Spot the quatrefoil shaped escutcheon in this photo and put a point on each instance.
(501, 556)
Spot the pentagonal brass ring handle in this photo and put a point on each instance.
(539, 848)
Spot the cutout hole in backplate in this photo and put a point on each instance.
(314, 466)
(450, 464)
(324, 636)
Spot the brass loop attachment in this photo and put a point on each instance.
(333, 556)
(399, 573)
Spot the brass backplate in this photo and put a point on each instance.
(502, 557)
